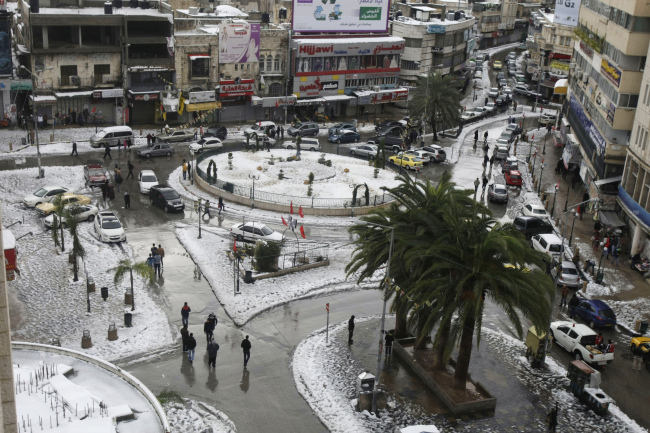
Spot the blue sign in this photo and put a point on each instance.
(633, 206)
(591, 129)
(436, 28)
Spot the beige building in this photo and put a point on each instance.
(497, 22)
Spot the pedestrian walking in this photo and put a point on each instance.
(206, 209)
(565, 292)
(74, 149)
(246, 346)
(184, 170)
(213, 348)
(185, 335)
(111, 192)
(389, 338)
(551, 419)
(196, 133)
(156, 264)
(221, 205)
(153, 249)
(485, 182)
(486, 159)
(189, 169)
(475, 136)
(638, 356)
(130, 165)
(574, 180)
(282, 132)
(491, 161)
(161, 253)
(104, 188)
(486, 100)
(118, 178)
(31, 136)
(150, 260)
(191, 347)
(573, 304)
(107, 151)
(477, 182)
(208, 329)
(127, 200)
(351, 330)
(514, 106)
(485, 137)
(185, 314)
(129, 143)
(149, 139)
(615, 254)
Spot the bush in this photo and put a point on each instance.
(328, 163)
(376, 173)
(266, 255)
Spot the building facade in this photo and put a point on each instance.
(497, 23)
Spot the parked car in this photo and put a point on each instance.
(392, 136)
(113, 136)
(514, 128)
(437, 152)
(387, 124)
(510, 163)
(513, 178)
(511, 72)
(507, 136)
(109, 228)
(156, 150)
(502, 100)
(45, 195)
(175, 136)
(494, 93)
(535, 210)
(82, 212)
(569, 274)
(255, 231)
(469, 115)
(547, 118)
(521, 78)
(478, 74)
(501, 76)
(419, 155)
(166, 197)
(345, 136)
(497, 65)
(146, 179)
(408, 162)
(501, 152)
(491, 107)
(209, 143)
(305, 144)
(579, 340)
(507, 91)
(644, 343)
(304, 129)
(341, 127)
(550, 244)
(531, 226)
(260, 128)
(94, 174)
(67, 199)
(512, 55)
(218, 131)
(596, 313)
(367, 150)
(503, 83)
(498, 193)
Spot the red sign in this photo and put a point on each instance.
(146, 97)
(586, 49)
(327, 307)
(313, 86)
(241, 88)
(559, 56)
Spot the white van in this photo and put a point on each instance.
(478, 74)
(113, 135)
(259, 128)
(306, 144)
(549, 244)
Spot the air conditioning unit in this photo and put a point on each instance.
(585, 78)
(579, 75)
(75, 80)
(376, 88)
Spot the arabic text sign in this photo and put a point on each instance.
(311, 16)
(566, 12)
(239, 43)
(611, 72)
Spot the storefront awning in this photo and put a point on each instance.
(561, 86)
(610, 219)
(336, 98)
(312, 101)
(203, 106)
(608, 180)
(43, 99)
(73, 94)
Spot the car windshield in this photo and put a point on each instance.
(267, 231)
(255, 127)
(100, 134)
(170, 194)
(555, 248)
(570, 271)
(41, 192)
(96, 172)
(539, 211)
(607, 314)
(111, 224)
(149, 178)
(201, 141)
(500, 190)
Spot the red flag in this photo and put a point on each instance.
(234, 245)
(283, 221)
(93, 110)
(277, 104)
(533, 137)
(291, 208)
(300, 212)
(302, 232)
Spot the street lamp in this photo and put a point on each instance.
(539, 187)
(426, 99)
(575, 215)
(34, 115)
(252, 176)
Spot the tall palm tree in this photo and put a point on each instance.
(57, 221)
(77, 249)
(127, 267)
(436, 100)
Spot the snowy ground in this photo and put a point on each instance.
(325, 376)
(209, 253)
(329, 182)
(57, 305)
(197, 417)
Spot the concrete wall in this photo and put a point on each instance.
(8, 420)
(195, 43)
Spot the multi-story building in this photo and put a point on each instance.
(604, 88)
(432, 43)
(497, 22)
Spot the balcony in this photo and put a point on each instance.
(591, 39)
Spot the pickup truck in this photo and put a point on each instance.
(580, 340)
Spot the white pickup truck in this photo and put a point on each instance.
(580, 340)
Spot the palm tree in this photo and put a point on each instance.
(126, 266)
(77, 249)
(438, 97)
(57, 221)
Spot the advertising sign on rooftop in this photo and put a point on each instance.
(566, 12)
(239, 43)
(336, 16)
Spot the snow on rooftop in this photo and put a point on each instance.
(383, 39)
(229, 11)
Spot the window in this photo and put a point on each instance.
(638, 131)
(645, 95)
(199, 67)
(269, 63)
(276, 63)
(100, 71)
(568, 42)
(645, 139)
(275, 89)
(262, 62)
(66, 73)
(412, 43)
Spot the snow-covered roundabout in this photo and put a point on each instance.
(334, 175)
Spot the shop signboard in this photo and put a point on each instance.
(347, 47)
(108, 93)
(205, 96)
(317, 16)
(611, 72)
(239, 43)
(436, 28)
(566, 12)
(591, 129)
(230, 88)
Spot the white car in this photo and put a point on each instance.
(491, 106)
(254, 231)
(535, 210)
(109, 228)
(418, 155)
(83, 212)
(494, 93)
(259, 128)
(306, 144)
(367, 150)
(146, 179)
(44, 195)
(208, 143)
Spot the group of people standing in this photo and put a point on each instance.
(611, 244)
(155, 260)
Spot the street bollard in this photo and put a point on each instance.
(112, 332)
(11, 145)
(584, 286)
(86, 341)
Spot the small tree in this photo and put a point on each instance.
(127, 267)
(310, 182)
(57, 221)
(266, 255)
(77, 249)
(229, 160)
(376, 173)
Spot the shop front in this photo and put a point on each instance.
(108, 102)
(276, 108)
(235, 97)
(144, 107)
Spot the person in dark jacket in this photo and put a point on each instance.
(565, 293)
(389, 338)
(127, 200)
(485, 182)
(185, 314)
(246, 346)
(107, 151)
(213, 348)
(74, 149)
(475, 136)
(551, 419)
(573, 304)
(350, 329)
(191, 347)
(185, 334)
(130, 165)
(111, 192)
(208, 329)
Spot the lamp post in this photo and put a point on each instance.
(600, 273)
(198, 210)
(539, 187)
(575, 215)
(554, 197)
(566, 202)
(35, 116)
(252, 176)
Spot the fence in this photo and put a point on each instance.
(269, 197)
(296, 252)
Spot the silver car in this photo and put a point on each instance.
(176, 136)
(498, 193)
(156, 150)
(367, 150)
(568, 276)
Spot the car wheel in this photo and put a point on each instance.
(313, 149)
(356, 140)
(166, 208)
(338, 141)
(91, 218)
(592, 325)
(239, 238)
(578, 355)
(148, 155)
(371, 157)
(290, 147)
(168, 154)
(167, 141)
(352, 152)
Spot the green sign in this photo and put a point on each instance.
(370, 13)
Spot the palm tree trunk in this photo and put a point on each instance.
(401, 314)
(439, 350)
(62, 241)
(132, 292)
(421, 341)
(433, 125)
(74, 267)
(464, 354)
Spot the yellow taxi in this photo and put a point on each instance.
(406, 161)
(643, 342)
(497, 65)
(67, 199)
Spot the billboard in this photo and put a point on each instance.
(239, 43)
(566, 12)
(340, 16)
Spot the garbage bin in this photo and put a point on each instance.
(104, 293)
(128, 317)
(23, 141)
(644, 327)
(248, 277)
